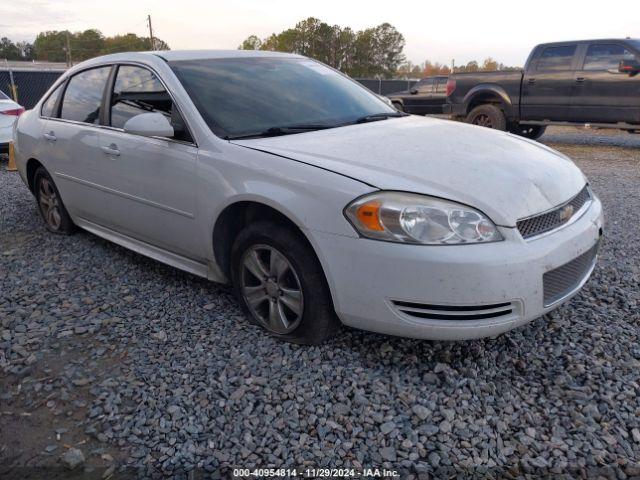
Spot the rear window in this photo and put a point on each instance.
(83, 96)
(557, 58)
(3, 96)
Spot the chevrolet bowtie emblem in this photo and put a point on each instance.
(566, 213)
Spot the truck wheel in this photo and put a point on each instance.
(488, 116)
(533, 132)
(398, 106)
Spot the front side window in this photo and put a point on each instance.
(244, 96)
(83, 97)
(557, 58)
(606, 56)
(441, 87)
(137, 90)
(48, 107)
(425, 86)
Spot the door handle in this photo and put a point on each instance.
(50, 136)
(580, 79)
(111, 150)
(532, 81)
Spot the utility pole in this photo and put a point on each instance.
(453, 65)
(68, 50)
(153, 43)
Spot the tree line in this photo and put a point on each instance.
(372, 52)
(375, 51)
(428, 68)
(52, 46)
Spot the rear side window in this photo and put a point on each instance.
(137, 90)
(3, 96)
(83, 96)
(48, 107)
(557, 58)
(605, 56)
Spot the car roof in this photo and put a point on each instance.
(177, 55)
(595, 40)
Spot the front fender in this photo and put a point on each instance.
(311, 197)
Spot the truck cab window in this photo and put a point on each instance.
(556, 58)
(606, 56)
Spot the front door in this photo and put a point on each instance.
(548, 84)
(419, 96)
(152, 180)
(601, 93)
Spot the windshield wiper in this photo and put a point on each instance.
(276, 131)
(374, 117)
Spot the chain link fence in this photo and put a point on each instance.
(30, 85)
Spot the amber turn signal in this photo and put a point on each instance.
(368, 216)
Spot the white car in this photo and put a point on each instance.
(9, 113)
(320, 203)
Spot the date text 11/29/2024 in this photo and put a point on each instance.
(314, 473)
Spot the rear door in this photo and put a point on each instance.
(71, 139)
(152, 180)
(601, 93)
(548, 84)
(417, 102)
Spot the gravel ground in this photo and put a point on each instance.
(150, 370)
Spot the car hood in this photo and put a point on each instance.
(505, 176)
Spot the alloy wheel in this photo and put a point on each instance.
(49, 203)
(271, 289)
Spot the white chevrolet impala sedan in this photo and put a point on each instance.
(315, 199)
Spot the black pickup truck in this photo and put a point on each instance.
(594, 82)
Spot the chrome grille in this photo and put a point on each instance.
(545, 222)
(562, 281)
(454, 312)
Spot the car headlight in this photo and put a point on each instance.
(412, 218)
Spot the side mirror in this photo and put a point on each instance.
(149, 125)
(629, 66)
(413, 91)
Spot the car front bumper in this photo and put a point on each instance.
(373, 282)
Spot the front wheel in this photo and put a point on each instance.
(533, 132)
(280, 284)
(398, 106)
(489, 116)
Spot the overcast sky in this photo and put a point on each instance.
(439, 30)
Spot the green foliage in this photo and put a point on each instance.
(372, 52)
(9, 50)
(51, 46)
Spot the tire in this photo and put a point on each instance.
(50, 206)
(488, 116)
(305, 314)
(398, 106)
(533, 132)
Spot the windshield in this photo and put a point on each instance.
(246, 96)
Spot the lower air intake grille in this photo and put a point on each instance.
(454, 312)
(562, 281)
